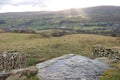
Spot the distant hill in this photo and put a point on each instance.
(64, 18)
(106, 13)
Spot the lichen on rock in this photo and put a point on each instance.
(70, 67)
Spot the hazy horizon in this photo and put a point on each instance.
(51, 5)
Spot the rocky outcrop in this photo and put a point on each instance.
(70, 67)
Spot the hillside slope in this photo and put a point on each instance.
(108, 15)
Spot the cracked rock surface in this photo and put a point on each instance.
(70, 67)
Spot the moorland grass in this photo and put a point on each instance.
(39, 48)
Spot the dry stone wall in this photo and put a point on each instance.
(99, 51)
(12, 60)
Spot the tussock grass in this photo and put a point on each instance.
(39, 49)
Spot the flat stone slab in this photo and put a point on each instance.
(70, 67)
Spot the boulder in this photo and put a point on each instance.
(71, 67)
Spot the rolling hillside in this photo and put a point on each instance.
(101, 15)
(42, 46)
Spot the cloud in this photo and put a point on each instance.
(21, 5)
(20, 8)
(4, 2)
(22, 2)
(29, 2)
(34, 5)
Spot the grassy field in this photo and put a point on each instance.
(38, 48)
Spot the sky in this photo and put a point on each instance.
(50, 5)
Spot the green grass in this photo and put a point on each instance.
(112, 74)
(33, 77)
(39, 48)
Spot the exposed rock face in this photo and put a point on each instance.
(70, 67)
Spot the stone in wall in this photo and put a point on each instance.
(111, 53)
(12, 60)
